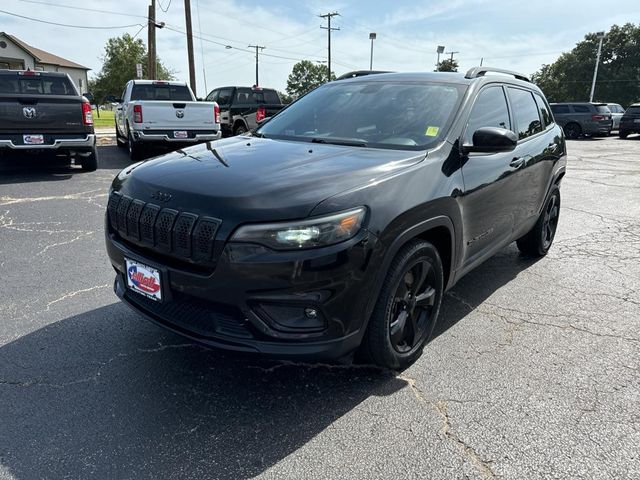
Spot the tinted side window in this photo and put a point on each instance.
(224, 97)
(490, 110)
(213, 96)
(633, 111)
(525, 112)
(580, 108)
(244, 96)
(546, 115)
(271, 96)
(559, 109)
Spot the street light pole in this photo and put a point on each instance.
(372, 37)
(439, 51)
(600, 36)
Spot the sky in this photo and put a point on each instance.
(518, 35)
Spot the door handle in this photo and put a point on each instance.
(517, 162)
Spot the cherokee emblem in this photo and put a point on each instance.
(29, 112)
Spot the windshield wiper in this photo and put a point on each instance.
(340, 141)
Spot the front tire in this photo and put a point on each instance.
(239, 130)
(572, 131)
(407, 308)
(537, 242)
(622, 134)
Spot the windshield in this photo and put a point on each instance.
(402, 115)
(176, 93)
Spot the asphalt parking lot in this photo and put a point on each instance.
(534, 373)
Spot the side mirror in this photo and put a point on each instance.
(113, 99)
(492, 140)
(89, 97)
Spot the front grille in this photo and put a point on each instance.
(178, 234)
(203, 318)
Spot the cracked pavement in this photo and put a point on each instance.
(534, 372)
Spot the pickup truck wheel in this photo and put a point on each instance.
(407, 308)
(135, 149)
(622, 134)
(239, 130)
(537, 242)
(121, 141)
(90, 162)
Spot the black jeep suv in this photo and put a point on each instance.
(339, 223)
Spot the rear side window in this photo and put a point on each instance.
(544, 110)
(559, 109)
(633, 110)
(271, 96)
(525, 112)
(36, 85)
(580, 109)
(179, 93)
(245, 96)
(489, 110)
(213, 96)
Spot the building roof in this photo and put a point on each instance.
(44, 57)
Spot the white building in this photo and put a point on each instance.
(17, 55)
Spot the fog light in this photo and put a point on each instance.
(310, 313)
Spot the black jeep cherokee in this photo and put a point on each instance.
(339, 223)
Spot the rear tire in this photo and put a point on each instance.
(572, 131)
(135, 149)
(537, 242)
(622, 134)
(239, 130)
(90, 162)
(407, 308)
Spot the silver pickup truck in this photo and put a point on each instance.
(165, 114)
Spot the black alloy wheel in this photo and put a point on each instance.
(407, 307)
(572, 131)
(550, 221)
(413, 302)
(538, 240)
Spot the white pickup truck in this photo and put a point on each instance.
(164, 114)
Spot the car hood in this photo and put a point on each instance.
(247, 179)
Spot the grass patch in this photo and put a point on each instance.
(106, 118)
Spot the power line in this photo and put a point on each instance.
(162, 8)
(86, 27)
(85, 9)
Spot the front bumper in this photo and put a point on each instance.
(254, 300)
(167, 137)
(87, 141)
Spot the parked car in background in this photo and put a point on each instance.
(583, 118)
(43, 113)
(630, 121)
(241, 108)
(616, 114)
(335, 227)
(163, 114)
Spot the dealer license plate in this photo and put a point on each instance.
(144, 280)
(33, 139)
(180, 134)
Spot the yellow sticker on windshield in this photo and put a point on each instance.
(432, 131)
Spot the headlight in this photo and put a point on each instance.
(315, 232)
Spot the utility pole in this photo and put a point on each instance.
(192, 67)
(328, 28)
(451, 53)
(600, 36)
(151, 42)
(261, 48)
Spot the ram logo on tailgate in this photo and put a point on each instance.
(29, 112)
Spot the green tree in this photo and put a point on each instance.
(569, 78)
(119, 66)
(306, 76)
(447, 65)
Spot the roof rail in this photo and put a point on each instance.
(476, 72)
